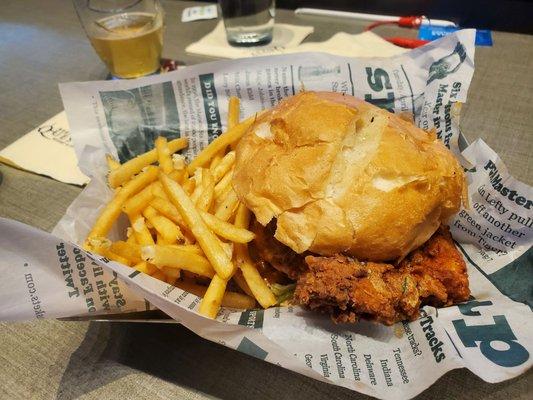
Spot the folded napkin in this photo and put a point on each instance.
(214, 44)
(46, 150)
(366, 44)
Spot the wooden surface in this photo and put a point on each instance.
(41, 44)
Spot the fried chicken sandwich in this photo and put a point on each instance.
(351, 203)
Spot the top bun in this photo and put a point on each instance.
(343, 176)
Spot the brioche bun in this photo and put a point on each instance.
(340, 175)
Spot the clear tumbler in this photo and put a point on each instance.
(248, 22)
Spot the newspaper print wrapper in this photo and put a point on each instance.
(48, 276)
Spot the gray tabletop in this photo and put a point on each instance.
(41, 44)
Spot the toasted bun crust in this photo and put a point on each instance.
(341, 175)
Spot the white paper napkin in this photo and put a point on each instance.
(214, 44)
(47, 150)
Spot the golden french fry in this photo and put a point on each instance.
(242, 217)
(167, 209)
(184, 176)
(142, 234)
(212, 300)
(233, 111)
(169, 256)
(198, 188)
(195, 195)
(223, 184)
(112, 163)
(228, 249)
(120, 175)
(223, 166)
(238, 278)
(226, 230)
(131, 252)
(135, 204)
(193, 248)
(112, 210)
(222, 197)
(145, 267)
(180, 175)
(255, 281)
(157, 190)
(163, 155)
(178, 162)
(238, 300)
(131, 236)
(164, 226)
(230, 299)
(205, 200)
(170, 211)
(175, 175)
(220, 143)
(189, 186)
(159, 240)
(226, 209)
(206, 239)
(216, 159)
(115, 257)
(102, 246)
(198, 176)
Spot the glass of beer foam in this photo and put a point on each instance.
(126, 34)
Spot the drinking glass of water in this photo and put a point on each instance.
(126, 34)
(248, 22)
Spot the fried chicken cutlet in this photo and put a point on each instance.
(349, 290)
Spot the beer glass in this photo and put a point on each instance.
(126, 34)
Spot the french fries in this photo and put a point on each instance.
(167, 209)
(206, 239)
(112, 163)
(164, 226)
(229, 299)
(157, 190)
(146, 268)
(135, 204)
(111, 212)
(228, 207)
(226, 230)
(212, 300)
(120, 175)
(172, 257)
(163, 155)
(140, 230)
(206, 198)
(222, 168)
(180, 221)
(131, 252)
(223, 184)
(220, 143)
(256, 283)
(233, 111)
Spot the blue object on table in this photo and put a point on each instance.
(432, 32)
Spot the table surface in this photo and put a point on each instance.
(41, 44)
